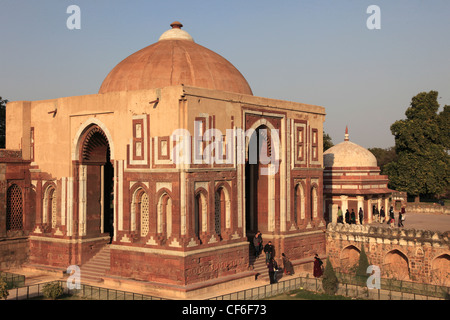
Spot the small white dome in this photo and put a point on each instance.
(348, 154)
(176, 33)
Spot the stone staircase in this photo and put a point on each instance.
(259, 265)
(95, 269)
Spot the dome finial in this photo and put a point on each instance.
(176, 25)
(346, 134)
(176, 33)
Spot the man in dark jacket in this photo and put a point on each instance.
(269, 250)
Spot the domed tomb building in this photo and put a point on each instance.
(352, 181)
(171, 168)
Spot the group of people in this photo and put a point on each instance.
(380, 216)
(271, 263)
(350, 217)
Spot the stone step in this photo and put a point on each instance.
(94, 269)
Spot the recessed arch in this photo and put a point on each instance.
(349, 257)
(222, 207)
(299, 203)
(440, 270)
(261, 166)
(139, 209)
(396, 265)
(95, 181)
(86, 126)
(14, 208)
(314, 201)
(164, 213)
(200, 220)
(49, 206)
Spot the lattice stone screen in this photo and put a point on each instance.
(14, 213)
(217, 213)
(145, 216)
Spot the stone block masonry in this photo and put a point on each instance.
(402, 254)
(13, 252)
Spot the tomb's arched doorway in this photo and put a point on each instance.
(96, 183)
(257, 184)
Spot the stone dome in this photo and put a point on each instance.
(175, 60)
(348, 154)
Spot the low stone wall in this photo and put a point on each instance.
(402, 254)
(427, 208)
(13, 252)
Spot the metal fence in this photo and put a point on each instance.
(409, 291)
(401, 288)
(13, 280)
(390, 290)
(86, 292)
(270, 290)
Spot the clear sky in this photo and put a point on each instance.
(318, 52)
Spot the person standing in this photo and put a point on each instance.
(257, 243)
(361, 215)
(382, 214)
(353, 217)
(287, 265)
(403, 211)
(376, 214)
(317, 266)
(400, 219)
(391, 219)
(269, 250)
(347, 216)
(340, 216)
(271, 267)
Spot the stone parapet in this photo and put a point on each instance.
(427, 208)
(367, 233)
(402, 254)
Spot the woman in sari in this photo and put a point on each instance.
(317, 266)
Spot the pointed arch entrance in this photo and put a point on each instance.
(96, 183)
(259, 186)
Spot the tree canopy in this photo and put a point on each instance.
(327, 142)
(384, 156)
(422, 166)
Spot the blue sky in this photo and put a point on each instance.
(318, 52)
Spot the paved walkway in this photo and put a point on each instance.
(432, 222)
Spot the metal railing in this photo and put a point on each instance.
(270, 290)
(390, 290)
(87, 292)
(401, 287)
(13, 280)
(409, 291)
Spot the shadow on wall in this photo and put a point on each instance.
(328, 160)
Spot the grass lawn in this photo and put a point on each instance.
(301, 294)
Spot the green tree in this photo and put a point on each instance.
(3, 289)
(421, 143)
(3, 103)
(53, 290)
(363, 264)
(327, 142)
(329, 280)
(384, 156)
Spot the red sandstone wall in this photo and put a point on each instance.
(170, 269)
(63, 254)
(301, 246)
